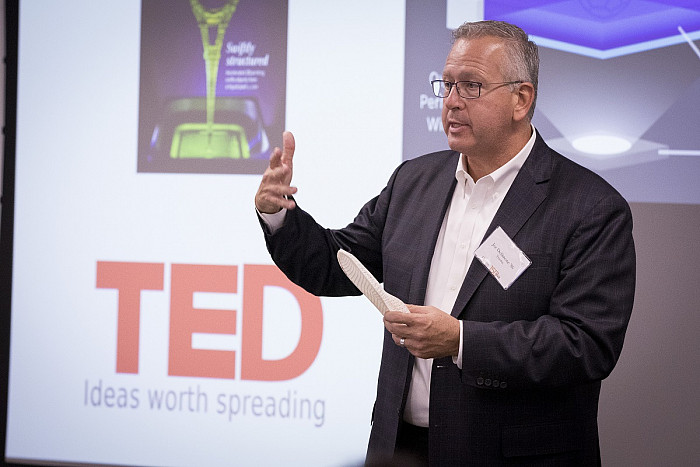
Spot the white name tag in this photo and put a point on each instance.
(502, 257)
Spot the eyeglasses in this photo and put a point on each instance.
(465, 89)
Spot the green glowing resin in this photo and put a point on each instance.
(210, 140)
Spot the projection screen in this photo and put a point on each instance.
(148, 324)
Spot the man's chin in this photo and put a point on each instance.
(459, 145)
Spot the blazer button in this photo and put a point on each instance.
(495, 383)
(487, 382)
(503, 385)
(480, 381)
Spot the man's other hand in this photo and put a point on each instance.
(427, 332)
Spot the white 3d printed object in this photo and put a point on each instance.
(368, 285)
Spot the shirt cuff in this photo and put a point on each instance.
(273, 221)
(458, 359)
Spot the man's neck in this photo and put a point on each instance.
(480, 166)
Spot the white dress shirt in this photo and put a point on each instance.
(471, 211)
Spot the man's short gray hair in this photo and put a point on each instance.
(523, 56)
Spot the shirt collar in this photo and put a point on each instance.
(507, 172)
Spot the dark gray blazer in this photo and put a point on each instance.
(533, 355)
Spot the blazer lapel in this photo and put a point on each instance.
(526, 193)
(444, 184)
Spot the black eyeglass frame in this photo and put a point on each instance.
(448, 85)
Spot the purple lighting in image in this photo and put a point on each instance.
(602, 25)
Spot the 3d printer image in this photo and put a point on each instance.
(217, 124)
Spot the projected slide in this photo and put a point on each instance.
(149, 326)
(619, 85)
(212, 94)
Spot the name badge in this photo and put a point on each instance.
(502, 257)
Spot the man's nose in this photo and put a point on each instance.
(453, 99)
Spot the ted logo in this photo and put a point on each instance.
(131, 278)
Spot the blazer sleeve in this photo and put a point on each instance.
(306, 252)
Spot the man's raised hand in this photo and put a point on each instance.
(275, 187)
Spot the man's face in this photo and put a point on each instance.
(478, 127)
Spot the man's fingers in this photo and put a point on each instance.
(275, 187)
(398, 317)
(276, 159)
(273, 194)
(284, 155)
(289, 145)
(281, 160)
(278, 174)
